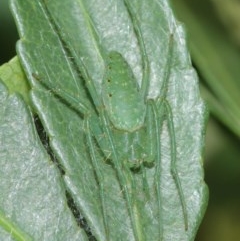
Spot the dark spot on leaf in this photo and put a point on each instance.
(36, 76)
(110, 95)
(81, 221)
(45, 141)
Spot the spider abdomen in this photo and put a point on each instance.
(121, 96)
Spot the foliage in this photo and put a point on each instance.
(53, 49)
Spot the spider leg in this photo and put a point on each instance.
(145, 61)
(124, 181)
(146, 188)
(78, 104)
(98, 174)
(156, 124)
(122, 177)
(83, 109)
(162, 102)
(150, 134)
(173, 162)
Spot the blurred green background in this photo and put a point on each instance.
(213, 29)
(8, 33)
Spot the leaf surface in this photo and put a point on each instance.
(52, 49)
(33, 204)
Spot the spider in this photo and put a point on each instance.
(130, 123)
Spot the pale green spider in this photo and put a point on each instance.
(130, 122)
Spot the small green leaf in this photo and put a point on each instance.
(13, 76)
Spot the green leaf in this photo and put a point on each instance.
(216, 58)
(55, 37)
(13, 76)
(33, 203)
